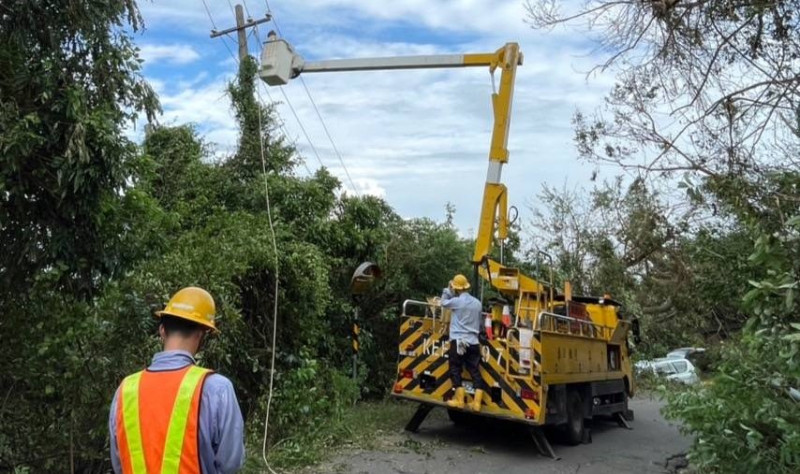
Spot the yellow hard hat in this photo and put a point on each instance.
(193, 304)
(460, 282)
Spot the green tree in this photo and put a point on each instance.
(100, 232)
(72, 84)
(705, 89)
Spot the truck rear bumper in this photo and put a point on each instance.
(485, 411)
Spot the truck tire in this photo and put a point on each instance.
(574, 427)
(628, 414)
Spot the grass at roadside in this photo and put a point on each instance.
(360, 426)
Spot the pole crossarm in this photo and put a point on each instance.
(249, 23)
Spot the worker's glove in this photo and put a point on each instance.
(461, 347)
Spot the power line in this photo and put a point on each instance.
(316, 109)
(302, 128)
(209, 15)
(280, 122)
(282, 126)
(214, 25)
(269, 10)
(325, 127)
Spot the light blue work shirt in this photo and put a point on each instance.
(220, 429)
(465, 321)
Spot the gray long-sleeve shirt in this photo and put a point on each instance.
(465, 322)
(220, 429)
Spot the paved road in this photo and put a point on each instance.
(441, 447)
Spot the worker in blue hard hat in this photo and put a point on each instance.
(465, 349)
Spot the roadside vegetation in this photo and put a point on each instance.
(370, 424)
(98, 231)
(699, 237)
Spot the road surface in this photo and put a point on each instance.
(441, 447)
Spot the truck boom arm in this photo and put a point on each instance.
(280, 64)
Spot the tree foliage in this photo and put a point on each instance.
(707, 86)
(626, 240)
(98, 232)
(70, 85)
(706, 100)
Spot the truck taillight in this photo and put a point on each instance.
(528, 394)
(407, 374)
(398, 388)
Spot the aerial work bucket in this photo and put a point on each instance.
(278, 62)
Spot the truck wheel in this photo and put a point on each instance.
(574, 427)
(628, 415)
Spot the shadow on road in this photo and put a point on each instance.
(500, 436)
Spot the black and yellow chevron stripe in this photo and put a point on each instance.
(423, 354)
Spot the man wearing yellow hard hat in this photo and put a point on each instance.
(175, 416)
(465, 349)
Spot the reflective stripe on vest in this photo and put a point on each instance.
(130, 418)
(177, 422)
(175, 429)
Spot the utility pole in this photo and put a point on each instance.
(242, 33)
(240, 29)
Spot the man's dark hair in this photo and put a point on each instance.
(184, 327)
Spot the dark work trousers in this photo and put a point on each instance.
(471, 358)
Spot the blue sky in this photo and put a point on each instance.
(417, 138)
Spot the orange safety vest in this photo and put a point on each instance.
(157, 418)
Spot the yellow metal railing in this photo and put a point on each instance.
(560, 324)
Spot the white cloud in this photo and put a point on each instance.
(419, 139)
(204, 104)
(172, 53)
(450, 15)
(424, 135)
(458, 16)
(371, 187)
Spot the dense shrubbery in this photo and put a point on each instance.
(97, 232)
(119, 228)
(744, 418)
(704, 110)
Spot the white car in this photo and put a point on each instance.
(686, 353)
(680, 370)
